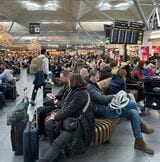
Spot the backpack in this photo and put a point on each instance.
(36, 65)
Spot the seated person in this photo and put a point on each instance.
(117, 82)
(130, 80)
(148, 70)
(102, 107)
(105, 72)
(53, 103)
(137, 72)
(71, 106)
(6, 77)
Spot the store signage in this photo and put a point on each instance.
(34, 28)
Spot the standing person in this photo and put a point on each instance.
(104, 106)
(41, 67)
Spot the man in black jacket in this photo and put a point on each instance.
(54, 103)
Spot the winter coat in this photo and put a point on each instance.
(73, 104)
(116, 84)
(99, 99)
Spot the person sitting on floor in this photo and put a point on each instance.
(103, 107)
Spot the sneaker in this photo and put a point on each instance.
(32, 103)
(140, 104)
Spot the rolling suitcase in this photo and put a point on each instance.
(18, 124)
(30, 143)
(2, 100)
(11, 92)
(17, 137)
(47, 88)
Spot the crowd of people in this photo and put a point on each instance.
(80, 75)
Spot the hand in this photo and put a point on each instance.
(55, 101)
(52, 116)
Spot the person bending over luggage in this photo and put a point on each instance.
(71, 106)
(105, 106)
(52, 104)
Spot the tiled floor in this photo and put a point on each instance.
(119, 150)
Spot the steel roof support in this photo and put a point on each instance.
(141, 13)
(158, 18)
(87, 33)
(103, 13)
(9, 31)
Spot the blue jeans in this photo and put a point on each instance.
(130, 112)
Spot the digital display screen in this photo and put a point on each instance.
(140, 37)
(114, 35)
(128, 36)
(121, 38)
(134, 37)
(124, 32)
(107, 29)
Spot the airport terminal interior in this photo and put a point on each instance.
(79, 80)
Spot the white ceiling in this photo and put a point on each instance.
(67, 21)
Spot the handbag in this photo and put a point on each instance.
(72, 123)
(19, 112)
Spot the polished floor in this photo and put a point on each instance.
(120, 148)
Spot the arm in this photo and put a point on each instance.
(98, 97)
(76, 105)
(46, 65)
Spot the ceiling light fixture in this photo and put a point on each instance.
(119, 6)
(33, 6)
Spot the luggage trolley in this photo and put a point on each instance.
(152, 93)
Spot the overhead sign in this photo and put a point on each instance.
(136, 25)
(34, 28)
(121, 24)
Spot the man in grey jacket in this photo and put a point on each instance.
(102, 107)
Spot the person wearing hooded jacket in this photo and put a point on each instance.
(102, 107)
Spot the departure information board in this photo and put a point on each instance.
(124, 32)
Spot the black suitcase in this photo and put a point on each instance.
(30, 143)
(47, 88)
(2, 100)
(17, 137)
(18, 126)
(11, 92)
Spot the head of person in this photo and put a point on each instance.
(94, 76)
(141, 64)
(43, 51)
(122, 73)
(84, 73)
(76, 81)
(64, 76)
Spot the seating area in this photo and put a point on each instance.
(121, 141)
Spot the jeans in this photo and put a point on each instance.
(58, 140)
(34, 93)
(130, 112)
